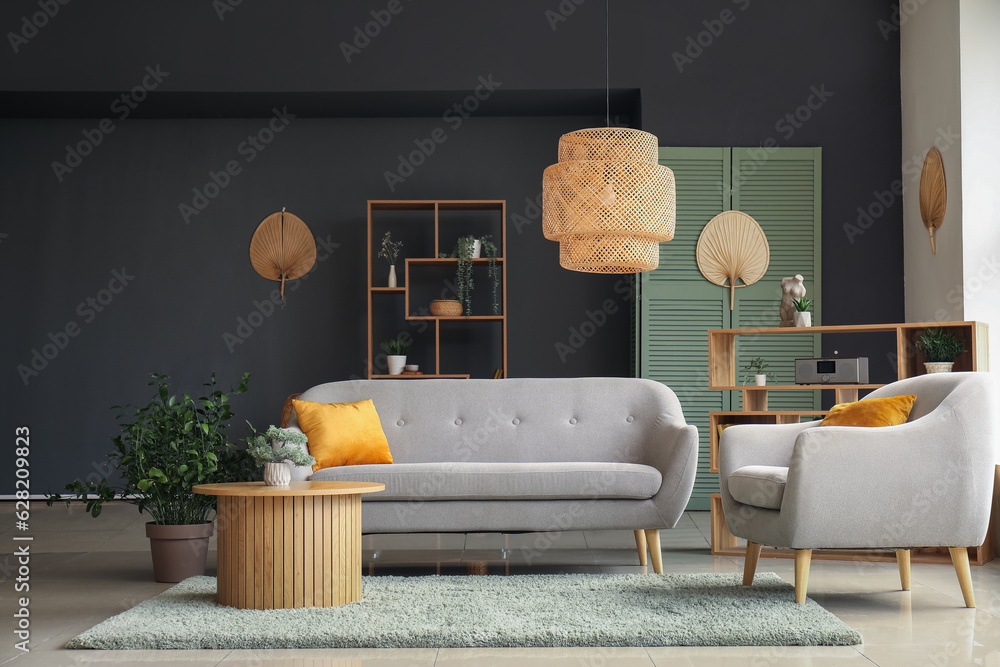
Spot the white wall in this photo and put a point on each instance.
(930, 81)
(980, 68)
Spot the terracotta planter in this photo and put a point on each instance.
(178, 552)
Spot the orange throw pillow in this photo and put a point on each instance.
(871, 412)
(343, 434)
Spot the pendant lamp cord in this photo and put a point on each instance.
(607, 61)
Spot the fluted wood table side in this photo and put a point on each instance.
(283, 547)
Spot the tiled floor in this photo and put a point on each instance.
(85, 570)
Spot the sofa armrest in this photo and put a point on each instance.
(923, 483)
(673, 450)
(299, 473)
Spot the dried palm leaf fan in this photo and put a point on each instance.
(933, 193)
(608, 202)
(282, 248)
(733, 247)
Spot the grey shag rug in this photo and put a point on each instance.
(489, 611)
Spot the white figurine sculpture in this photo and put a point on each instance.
(791, 289)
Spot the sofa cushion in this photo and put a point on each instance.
(343, 434)
(501, 481)
(760, 486)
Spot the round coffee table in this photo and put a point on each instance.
(282, 547)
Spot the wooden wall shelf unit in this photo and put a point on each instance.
(722, 348)
(431, 232)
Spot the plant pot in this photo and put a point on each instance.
(761, 380)
(277, 473)
(803, 318)
(178, 552)
(396, 363)
(477, 249)
(392, 275)
(938, 366)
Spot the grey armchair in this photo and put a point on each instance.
(925, 483)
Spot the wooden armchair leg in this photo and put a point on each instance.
(653, 539)
(750, 562)
(802, 559)
(960, 558)
(640, 545)
(903, 560)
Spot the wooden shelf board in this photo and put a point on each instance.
(837, 328)
(477, 205)
(400, 205)
(388, 290)
(445, 261)
(782, 387)
(424, 376)
(479, 318)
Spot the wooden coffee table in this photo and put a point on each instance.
(282, 547)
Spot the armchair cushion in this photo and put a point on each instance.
(760, 486)
(871, 412)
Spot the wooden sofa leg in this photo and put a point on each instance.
(960, 558)
(903, 560)
(653, 539)
(640, 545)
(802, 559)
(750, 562)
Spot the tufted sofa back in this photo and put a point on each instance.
(514, 420)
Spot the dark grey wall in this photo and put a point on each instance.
(118, 210)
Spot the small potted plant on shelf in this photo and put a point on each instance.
(803, 318)
(163, 450)
(756, 367)
(940, 348)
(274, 450)
(396, 348)
(390, 252)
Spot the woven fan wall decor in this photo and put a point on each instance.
(933, 193)
(282, 248)
(733, 247)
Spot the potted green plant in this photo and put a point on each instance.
(755, 367)
(274, 449)
(390, 252)
(803, 318)
(466, 249)
(940, 348)
(395, 349)
(162, 451)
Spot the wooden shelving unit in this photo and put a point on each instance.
(722, 347)
(411, 272)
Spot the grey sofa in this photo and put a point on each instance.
(523, 455)
(925, 483)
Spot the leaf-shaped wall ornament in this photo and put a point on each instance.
(282, 248)
(933, 193)
(733, 247)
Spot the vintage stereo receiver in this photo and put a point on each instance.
(831, 371)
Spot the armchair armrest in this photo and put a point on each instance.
(923, 483)
(757, 444)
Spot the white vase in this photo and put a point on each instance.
(477, 249)
(277, 474)
(392, 275)
(803, 318)
(396, 363)
(938, 366)
(761, 380)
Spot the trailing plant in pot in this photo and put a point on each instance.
(390, 252)
(466, 249)
(940, 348)
(274, 450)
(162, 451)
(803, 318)
(755, 367)
(395, 349)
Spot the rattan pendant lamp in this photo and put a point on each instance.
(607, 201)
